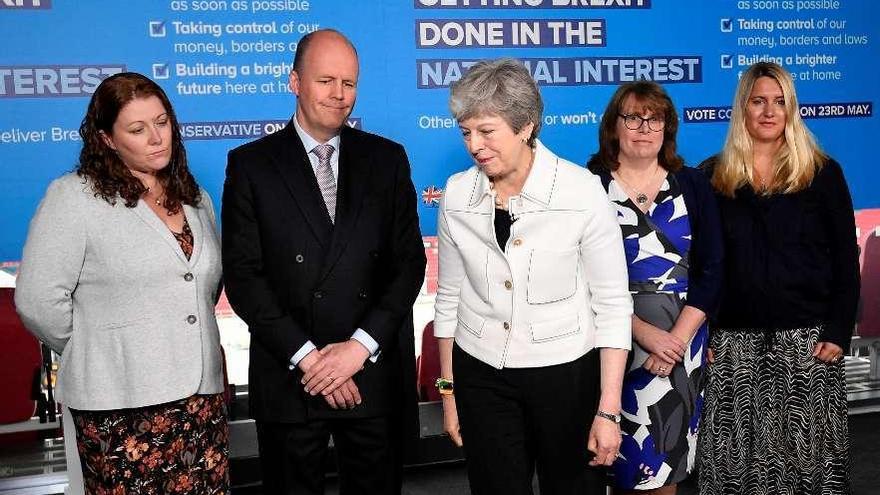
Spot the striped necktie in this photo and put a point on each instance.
(324, 174)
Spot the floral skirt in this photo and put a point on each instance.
(177, 447)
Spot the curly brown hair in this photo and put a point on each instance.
(652, 97)
(111, 179)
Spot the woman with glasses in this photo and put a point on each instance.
(776, 410)
(672, 242)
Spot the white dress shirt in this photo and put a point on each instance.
(309, 143)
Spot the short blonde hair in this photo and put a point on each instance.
(796, 162)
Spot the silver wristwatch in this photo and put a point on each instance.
(610, 417)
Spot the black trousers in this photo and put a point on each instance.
(516, 420)
(293, 456)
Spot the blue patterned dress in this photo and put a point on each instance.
(661, 415)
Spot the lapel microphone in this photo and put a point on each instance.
(514, 209)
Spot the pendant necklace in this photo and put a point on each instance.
(157, 201)
(641, 197)
(762, 181)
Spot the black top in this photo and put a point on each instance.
(791, 260)
(706, 251)
(502, 227)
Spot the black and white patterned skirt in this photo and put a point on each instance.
(775, 418)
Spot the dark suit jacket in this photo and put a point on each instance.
(293, 276)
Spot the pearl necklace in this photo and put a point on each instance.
(499, 203)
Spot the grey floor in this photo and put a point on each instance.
(451, 479)
(45, 458)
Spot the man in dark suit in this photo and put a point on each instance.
(323, 259)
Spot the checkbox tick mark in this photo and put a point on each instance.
(160, 71)
(157, 29)
(726, 25)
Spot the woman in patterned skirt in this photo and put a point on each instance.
(672, 240)
(120, 274)
(776, 417)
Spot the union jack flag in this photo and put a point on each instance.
(431, 196)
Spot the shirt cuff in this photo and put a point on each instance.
(369, 342)
(301, 353)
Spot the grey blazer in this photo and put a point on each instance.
(109, 288)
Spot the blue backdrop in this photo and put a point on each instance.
(224, 63)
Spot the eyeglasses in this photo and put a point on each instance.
(634, 122)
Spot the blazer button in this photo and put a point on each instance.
(191, 319)
(318, 294)
(517, 241)
(506, 326)
(299, 258)
(362, 294)
(508, 284)
(188, 277)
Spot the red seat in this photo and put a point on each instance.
(868, 222)
(869, 321)
(429, 365)
(20, 361)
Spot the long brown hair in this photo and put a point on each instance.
(652, 97)
(110, 178)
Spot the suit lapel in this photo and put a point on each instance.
(296, 171)
(198, 232)
(354, 170)
(149, 217)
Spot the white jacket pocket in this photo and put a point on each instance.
(552, 275)
(470, 320)
(555, 329)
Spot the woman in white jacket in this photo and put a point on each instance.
(533, 308)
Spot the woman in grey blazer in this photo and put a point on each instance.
(119, 276)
